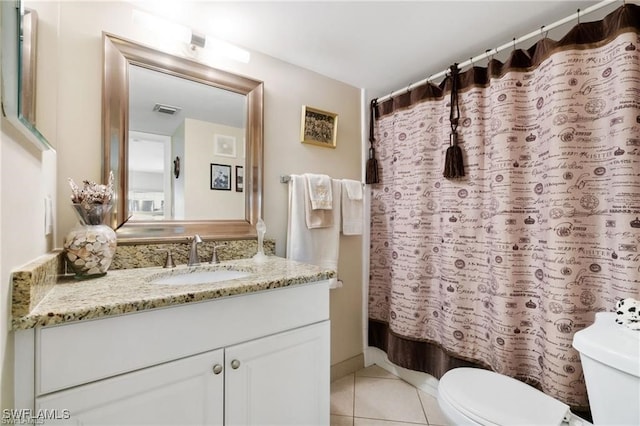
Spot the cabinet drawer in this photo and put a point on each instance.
(72, 354)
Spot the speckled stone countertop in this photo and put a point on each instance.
(130, 290)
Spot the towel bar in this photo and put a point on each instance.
(287, 179)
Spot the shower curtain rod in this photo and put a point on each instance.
(508, 45)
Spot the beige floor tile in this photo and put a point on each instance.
(342, 391)
(432, 409)
(341, 420)
(375, 371)
(359, 421)
(386, 399)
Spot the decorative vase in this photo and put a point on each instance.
(91, 244)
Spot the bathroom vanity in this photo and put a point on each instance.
(252, 350)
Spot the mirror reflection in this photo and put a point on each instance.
(28, 52)
(173, 119)
(185, 162)
(18, 36)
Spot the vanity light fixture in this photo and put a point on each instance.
(211, 46)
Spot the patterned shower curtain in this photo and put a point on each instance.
(499, 269)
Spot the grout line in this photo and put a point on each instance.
(386, 378)
(353, 409)
(393, 421)
(424, 410)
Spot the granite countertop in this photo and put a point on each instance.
(130, 290)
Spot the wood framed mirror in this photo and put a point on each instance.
(120, 57)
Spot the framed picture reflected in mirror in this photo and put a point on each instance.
(221, 177)
(239, 179)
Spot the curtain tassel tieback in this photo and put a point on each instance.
(371, 170)
(453, 163)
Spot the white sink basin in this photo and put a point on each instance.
(201, 277)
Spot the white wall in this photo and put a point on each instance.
(146, 181)
(287, 87)
(24, 176)
(201, 202)
(27, 176)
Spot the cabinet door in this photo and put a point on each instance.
(281, 379)
(183, 392)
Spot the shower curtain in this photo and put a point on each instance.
(500, 268)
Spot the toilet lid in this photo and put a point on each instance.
(491, 398)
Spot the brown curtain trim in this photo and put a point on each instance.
(416, 355)
(430, 357)
(582, 36)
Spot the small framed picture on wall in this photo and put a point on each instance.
(221, 177)
(239, 179)
(318, 127)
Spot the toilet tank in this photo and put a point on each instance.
(610, 356)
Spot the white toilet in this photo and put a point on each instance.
(610, 356)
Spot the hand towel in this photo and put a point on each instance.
(316, 246)
(352, 219)
(319, 191)
(353, 187)
(318, 218)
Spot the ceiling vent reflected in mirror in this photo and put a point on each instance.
(166, 109)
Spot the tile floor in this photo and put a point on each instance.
(375, 397)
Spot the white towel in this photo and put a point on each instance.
(352, 223)
(319, 191)
(316, 246)
(353, 187)
(318, 218)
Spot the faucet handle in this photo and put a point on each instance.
(168, 263)
(214, 253)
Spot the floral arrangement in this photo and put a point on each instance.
(93, 200)
(92, 193)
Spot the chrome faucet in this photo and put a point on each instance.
(193, 252)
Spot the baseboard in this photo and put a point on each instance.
(347, 366)
(422, 381)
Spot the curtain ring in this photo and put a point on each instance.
(471, 61)
(541, 32)
(514, 44)
(578, 12)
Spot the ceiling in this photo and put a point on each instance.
(191, 99)
(381, 46)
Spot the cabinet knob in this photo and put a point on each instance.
(235, 364)
(217, 369)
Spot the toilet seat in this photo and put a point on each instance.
(489, 398)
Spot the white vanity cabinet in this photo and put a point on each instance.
(182, 392)
(256, 359)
